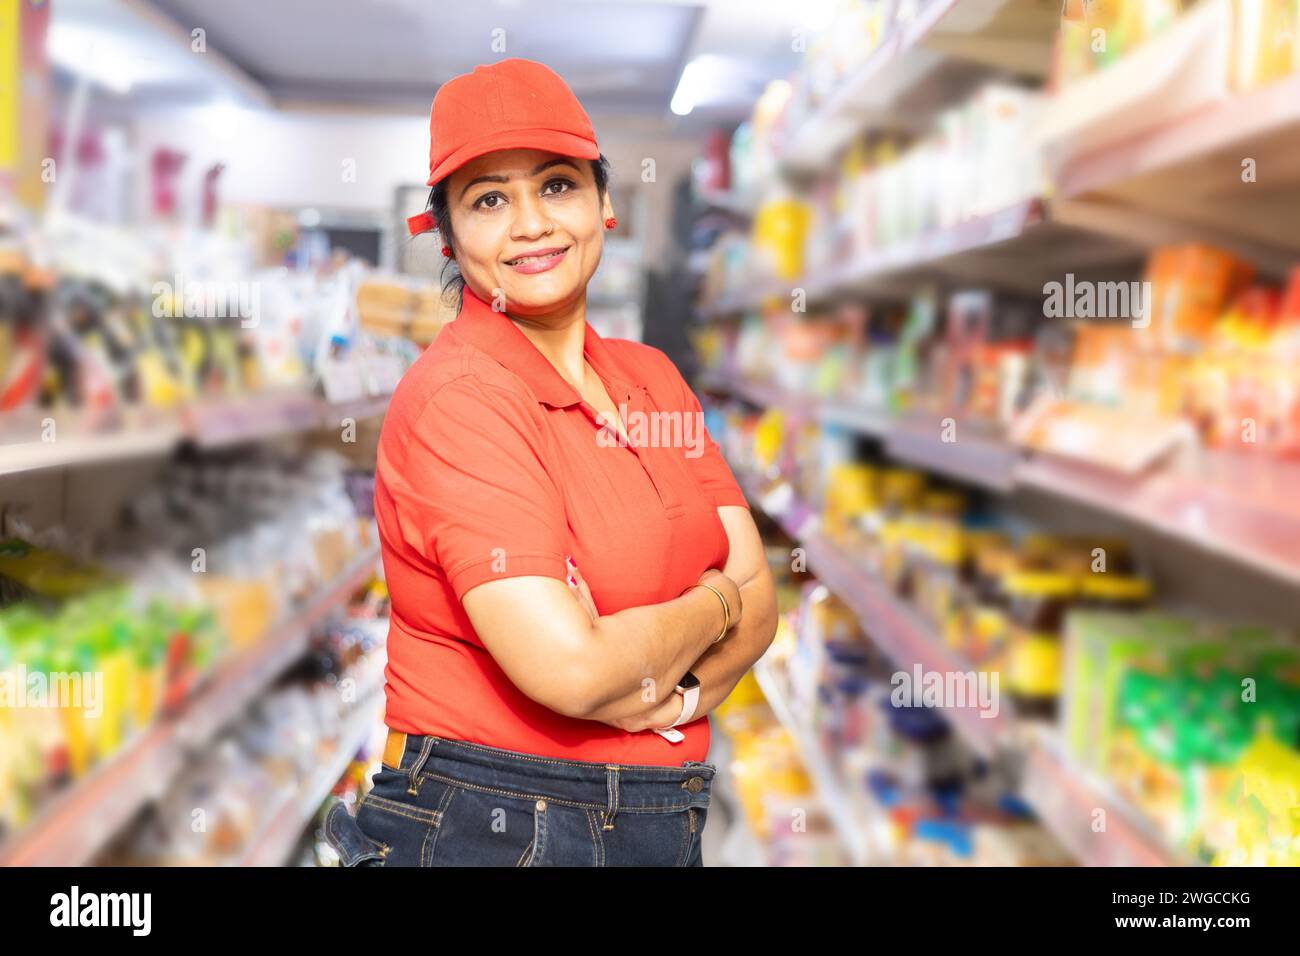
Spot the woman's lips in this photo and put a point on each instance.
(540, 261)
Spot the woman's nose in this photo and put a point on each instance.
(530, 219)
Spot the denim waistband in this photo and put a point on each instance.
(629, 787)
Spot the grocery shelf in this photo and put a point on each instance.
(1017, 248)
(1065, 799)
(907, 640)
(823, 133)
(77, 824)
(1018, 221)
(1154, 146)
(757, 392)
(891, 623)
(873, 422)
(213, 424)
(219, 423)
(831, 789)
(752, 298)
(1262, 118)
(286, 822)
(1093, 822)
(943, 47)
(1236, 507)
(88, 449)
(332, 415)
(974, 455)
(728, 202)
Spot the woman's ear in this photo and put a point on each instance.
(606, 207)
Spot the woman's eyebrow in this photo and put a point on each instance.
(481, 179)
(558, 161)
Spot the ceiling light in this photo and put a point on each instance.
(698, 78)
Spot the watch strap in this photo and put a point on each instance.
(690, 701)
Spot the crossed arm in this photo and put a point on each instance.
(621, 668)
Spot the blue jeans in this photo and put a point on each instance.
(453, 803)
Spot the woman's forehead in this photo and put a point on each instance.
(513, 164)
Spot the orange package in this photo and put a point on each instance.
(1190, 285)
(1101, 364)
(1242, 344)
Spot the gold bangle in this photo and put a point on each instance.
(726, 608)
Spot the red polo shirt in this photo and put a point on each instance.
(491, 466)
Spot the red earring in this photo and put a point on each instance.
(611, 222)
(446, 251)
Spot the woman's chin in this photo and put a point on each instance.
(541, 292)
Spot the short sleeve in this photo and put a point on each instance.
(710, 467)
(474, 490)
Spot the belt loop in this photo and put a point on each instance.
(413, 776)
(611, 789)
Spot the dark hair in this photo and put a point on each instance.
(453, 283)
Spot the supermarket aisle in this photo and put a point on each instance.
(995, 310)
(1015, 381)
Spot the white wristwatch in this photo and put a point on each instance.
(689, 688)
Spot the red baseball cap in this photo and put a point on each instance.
(512, 104)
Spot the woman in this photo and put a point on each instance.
(567, 553)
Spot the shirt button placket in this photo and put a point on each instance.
(667, 497)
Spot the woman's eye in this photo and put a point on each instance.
(556, 187)
(490, 201)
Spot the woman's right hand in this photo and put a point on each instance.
(716, 579)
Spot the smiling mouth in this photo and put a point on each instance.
(524, 260)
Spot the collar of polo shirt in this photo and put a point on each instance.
(494, 333)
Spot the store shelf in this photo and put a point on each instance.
(1018, 248)
(973, 455)
(865, 94)
(930, 251)
(77, 825)
(226, 423)
(917, 69)
(1093, 822)
(285, 823)
(763, 394)
(728, 202)
(831, 788)
(872, 422)
(217, 424)
(1263, 119)
(1154, 147)
(907, 640)
(1164, 170)
(1065, 799)
(208, 425)
(753, 298)
(89, 449)
(898, 631)
(1239, 508)
(333, 415)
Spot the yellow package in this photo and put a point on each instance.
(1264, 47)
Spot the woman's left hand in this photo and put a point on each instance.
(578, 587)
(657, 715)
